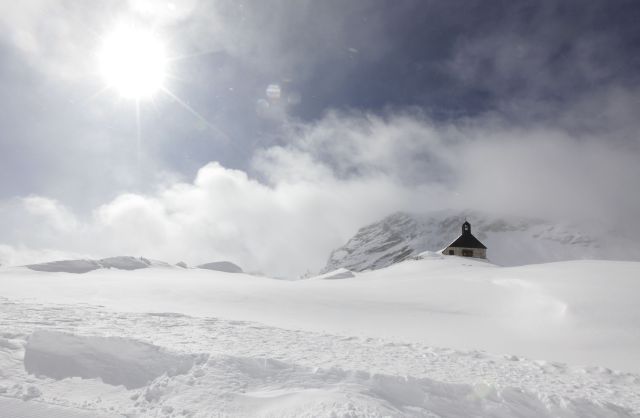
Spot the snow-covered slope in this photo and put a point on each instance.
(566, 311)
(510, 241)
(431, 336)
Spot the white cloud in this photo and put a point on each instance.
(282, 229)
(309, 196)
(52, 213)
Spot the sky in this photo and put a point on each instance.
(282, 127)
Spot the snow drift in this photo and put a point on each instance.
(338, 274)
(265, 387)
(84, 266)
(66, 266)
(225, 266)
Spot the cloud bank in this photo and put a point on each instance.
(308, 196)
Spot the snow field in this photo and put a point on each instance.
(194, 343)
(248, 369)
(568, 312)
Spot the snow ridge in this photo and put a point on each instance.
(224, 266)
(116, 361)
(84, 266)
(123, 263)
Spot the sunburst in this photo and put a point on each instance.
(134, 63)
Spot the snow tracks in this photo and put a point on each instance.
(84, 359)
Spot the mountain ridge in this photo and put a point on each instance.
(511, 240)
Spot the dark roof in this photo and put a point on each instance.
(466, 240)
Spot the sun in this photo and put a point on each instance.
(133, 62)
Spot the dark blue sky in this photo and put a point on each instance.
(450, 58)
(529, 61)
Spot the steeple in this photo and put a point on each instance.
(466, 228)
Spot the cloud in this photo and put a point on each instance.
(57, 38)
(550, 173)
(282, 229)
(308, 196)
(54, 215)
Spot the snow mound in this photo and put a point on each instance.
(225, 266)
(430, 255)
(66, 266)
(84, 266)
(124, 263)
(117, 361)
(335, 275)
